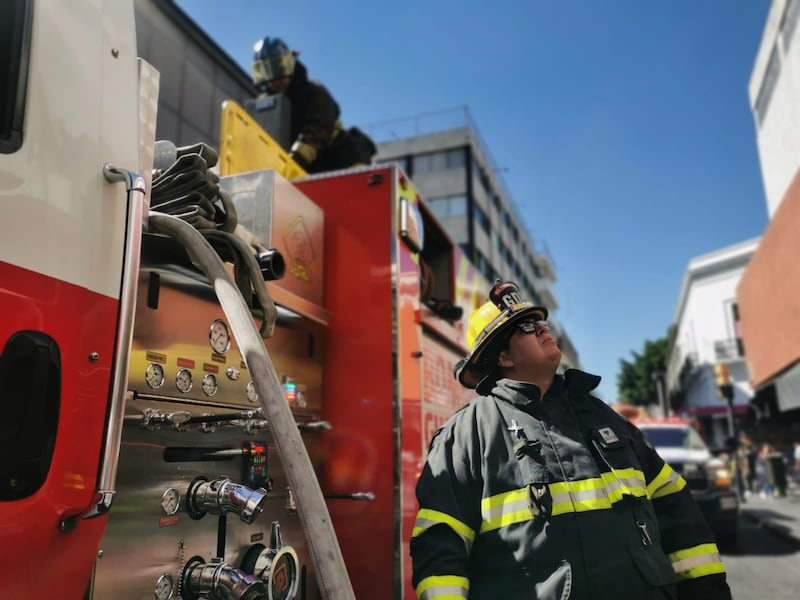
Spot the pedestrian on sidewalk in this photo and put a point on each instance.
(775, 466)
(538, 489)
(750, 453)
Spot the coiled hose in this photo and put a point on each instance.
(185, 187)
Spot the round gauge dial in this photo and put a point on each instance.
(164, 587)
(154, 375)
(183, 380)
(209, 384)
(283, 580)
(252, 394)
(219, 337)
(170, 501)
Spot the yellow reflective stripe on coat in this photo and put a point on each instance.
(443, 587)
(505, 509)
(667, 482)
(597, 493)
(697, 561)
(427, 518)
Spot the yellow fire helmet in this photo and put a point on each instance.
(487, 325)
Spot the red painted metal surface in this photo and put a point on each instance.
(387, 376)
(358, 373)
(37, 560)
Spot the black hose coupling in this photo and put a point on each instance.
(272, 264)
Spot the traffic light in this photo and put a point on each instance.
(722, 375)
(723, 379)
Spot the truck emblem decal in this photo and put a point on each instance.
(299, 251)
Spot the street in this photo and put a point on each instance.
(764, 566)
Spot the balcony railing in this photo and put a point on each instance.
(730, 349)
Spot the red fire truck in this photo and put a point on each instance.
(220, 396)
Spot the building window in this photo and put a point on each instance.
(421, 164)
(15, 28)
(505, 255)
(456, 158)
(789, 23)
(732, 346)
(481, 218)
(526, 282)
(438, 161)
(445, 207)
(401, 161)
(768, 85)
(483, 266)
(737, 328)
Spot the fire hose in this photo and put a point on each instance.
(332, 577)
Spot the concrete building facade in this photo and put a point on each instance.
(459, 182)
(197, 75)
(773, 92)
(706, 333)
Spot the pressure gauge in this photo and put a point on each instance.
(209, 384)
(164, 587)
(183, 380)
(252, 394)
(170, 501)
(154, 375)
(218, 337)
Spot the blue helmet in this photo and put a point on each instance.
(272, 59)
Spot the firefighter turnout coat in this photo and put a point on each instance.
(553, 499)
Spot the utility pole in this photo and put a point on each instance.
(725, 391)
(658, 378)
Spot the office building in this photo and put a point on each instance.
(452, 168)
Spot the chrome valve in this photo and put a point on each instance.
(224, 496)
(277, 566)
(219, 581)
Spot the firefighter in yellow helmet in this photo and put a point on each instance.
(537, 489)
(319, 142)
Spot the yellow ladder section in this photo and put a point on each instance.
(245, 146)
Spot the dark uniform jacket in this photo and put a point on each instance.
(554, 499)
(315, 114)
(319, 143)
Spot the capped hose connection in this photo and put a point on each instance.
(219, 581)
(223, 496)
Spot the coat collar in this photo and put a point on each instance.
(520, 393)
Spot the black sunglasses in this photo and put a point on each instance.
(537, 327)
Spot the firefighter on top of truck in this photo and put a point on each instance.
(537, 489)
(319, 142)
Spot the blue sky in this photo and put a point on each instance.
(622, 128)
